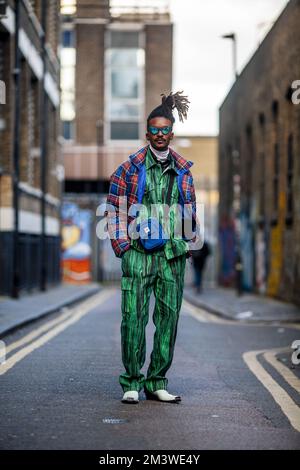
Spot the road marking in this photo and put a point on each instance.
(202, 315)
(191, 312)
(80, 312)
(287, 405)
(37, 332)
(283, 370)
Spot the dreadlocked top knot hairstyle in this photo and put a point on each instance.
(181, 103)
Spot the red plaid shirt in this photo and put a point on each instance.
(129, 180)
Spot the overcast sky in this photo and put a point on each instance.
(203, 61)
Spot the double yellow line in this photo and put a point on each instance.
(282, 398)
(203, 316)
(52, 329)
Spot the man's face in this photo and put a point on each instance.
(160, 141)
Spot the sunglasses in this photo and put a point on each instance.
(155, 130)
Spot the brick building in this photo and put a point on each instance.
(113, 72)
(30, 167)
(259, 166)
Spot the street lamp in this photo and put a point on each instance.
(232, 36)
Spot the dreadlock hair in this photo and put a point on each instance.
(168, 103)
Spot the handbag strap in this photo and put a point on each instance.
(170, 187)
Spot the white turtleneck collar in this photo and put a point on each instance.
(161, 155)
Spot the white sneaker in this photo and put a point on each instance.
(132, 397)
(162, 395)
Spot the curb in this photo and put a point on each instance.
(48, 311)
(215, 311)
(222, 314)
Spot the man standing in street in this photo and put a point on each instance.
(199, 262)
(156, 174)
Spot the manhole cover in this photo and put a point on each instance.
(114, 421)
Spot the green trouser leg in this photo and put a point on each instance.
(142, 274)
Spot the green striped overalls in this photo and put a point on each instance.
(142, 272)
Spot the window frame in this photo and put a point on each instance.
(140, 101)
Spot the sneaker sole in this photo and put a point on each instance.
(130, 401)
(150, 396)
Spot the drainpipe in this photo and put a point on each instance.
(43, 160)
(16, 158)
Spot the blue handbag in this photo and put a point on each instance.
(152, 235)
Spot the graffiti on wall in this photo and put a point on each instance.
(261, 262)
(227, 251)
(76, 243)
(246, 244)
(276, 249)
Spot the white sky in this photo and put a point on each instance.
(203, 61)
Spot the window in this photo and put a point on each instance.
(68, 7)
(5, 110)
(275, 110)
(127, 39)
(262, 183)
(68, 38)
(124, 131)
(67, 82)
(67, 130)
(262, 166)
(262, 121)
(124, 82)
(3, 6)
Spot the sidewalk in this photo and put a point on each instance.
(248, 307)
(16, 313)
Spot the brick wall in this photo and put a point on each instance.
(88, 9)
(6, 110)
(89, 81)
(256, 116)
(158, 73)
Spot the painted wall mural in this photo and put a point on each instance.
(76, 244)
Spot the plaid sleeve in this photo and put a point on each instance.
(116, 204)
(193, 201)
(190, 210)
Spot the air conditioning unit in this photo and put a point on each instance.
(3, 5)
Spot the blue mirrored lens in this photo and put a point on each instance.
(155, 130)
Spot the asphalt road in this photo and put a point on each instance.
(59, 385)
